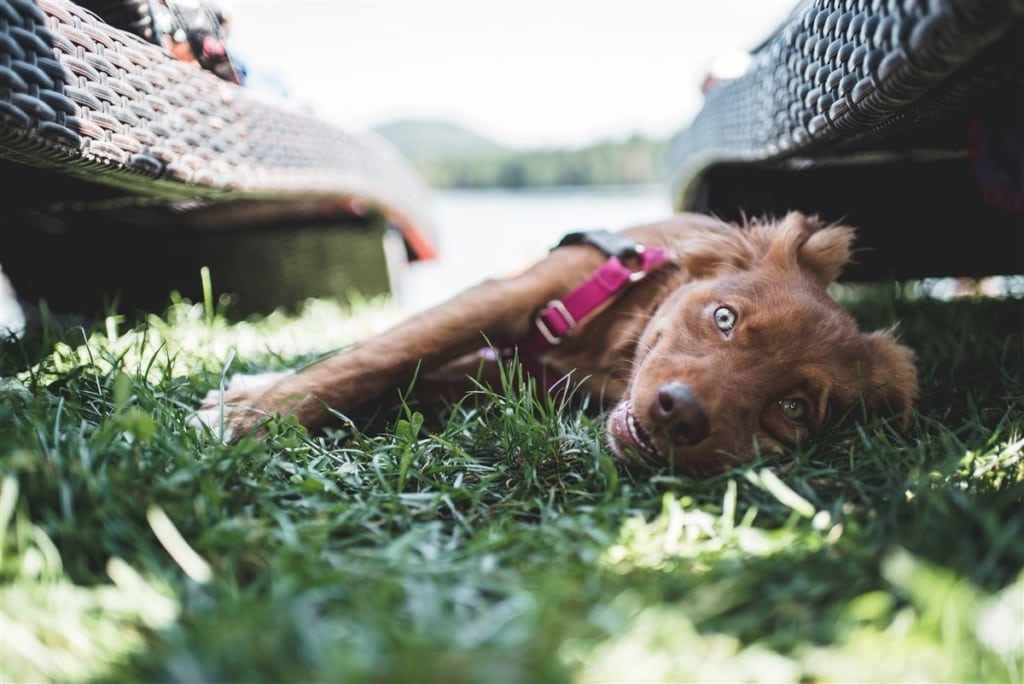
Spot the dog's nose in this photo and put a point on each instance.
(678, 413)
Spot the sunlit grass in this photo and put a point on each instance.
(53, 629)
(496, 540)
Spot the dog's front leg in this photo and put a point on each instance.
(494, 311)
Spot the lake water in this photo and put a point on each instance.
(489, 233)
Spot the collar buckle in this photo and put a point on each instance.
(569, 323)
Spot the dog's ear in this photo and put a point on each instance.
(826, 252)
(826, 249)
(821, 250)
(889, 376)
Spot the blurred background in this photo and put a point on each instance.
(416, 147)
(528, 119)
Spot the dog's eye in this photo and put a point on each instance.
(725, 319)
(793, 408)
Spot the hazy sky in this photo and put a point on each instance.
(561, 72)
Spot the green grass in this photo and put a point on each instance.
(499, 541)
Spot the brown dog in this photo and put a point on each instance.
(712, 341)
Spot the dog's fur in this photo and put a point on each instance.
(733, 347)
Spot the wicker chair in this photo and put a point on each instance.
(902, 117)
(129, 170)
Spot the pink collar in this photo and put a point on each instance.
(562, 317)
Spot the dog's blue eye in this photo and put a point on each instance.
(725, 319)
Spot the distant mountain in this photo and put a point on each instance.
(452, 156)
(425, 140)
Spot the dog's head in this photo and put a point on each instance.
(752, 353)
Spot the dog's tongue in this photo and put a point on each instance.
(618, 424)
(624, 429)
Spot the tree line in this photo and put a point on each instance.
(638, 159)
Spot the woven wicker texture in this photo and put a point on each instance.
(848, 75)
(84, 98)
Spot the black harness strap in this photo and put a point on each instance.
(612, 244)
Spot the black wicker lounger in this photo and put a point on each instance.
(127, 170)
(902, 117)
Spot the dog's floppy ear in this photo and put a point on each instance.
(805, 242)
(826, 252)
(821, 250)
(889, 376)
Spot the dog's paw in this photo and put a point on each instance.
(254, 381)
(212, 421)
(226, 413)
(12, 317)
